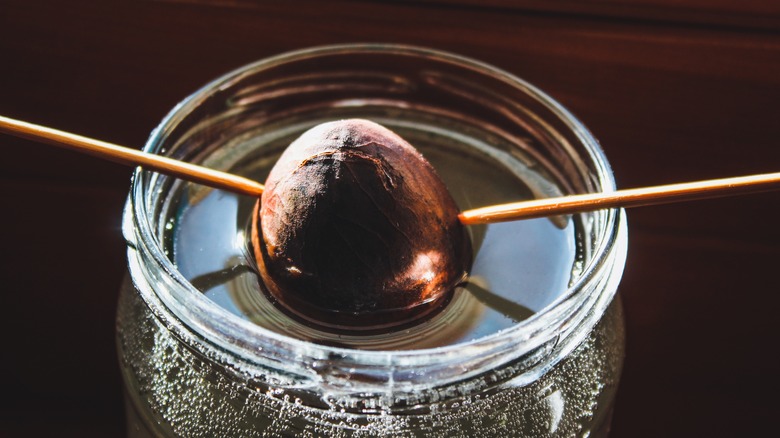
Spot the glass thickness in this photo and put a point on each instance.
(206, 357)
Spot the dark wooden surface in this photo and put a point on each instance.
(674, 91)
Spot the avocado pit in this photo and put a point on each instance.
(355, 230)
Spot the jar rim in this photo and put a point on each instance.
(248, 340)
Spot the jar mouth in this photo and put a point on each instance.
(254, 344)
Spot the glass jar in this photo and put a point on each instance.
(193, 368)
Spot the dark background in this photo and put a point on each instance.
(674, 90)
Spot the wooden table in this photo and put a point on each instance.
(674, 91)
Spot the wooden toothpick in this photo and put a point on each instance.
(496, 213)
(133, 157)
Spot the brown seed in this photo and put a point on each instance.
(356, 231)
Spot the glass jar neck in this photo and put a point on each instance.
(529, 348)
